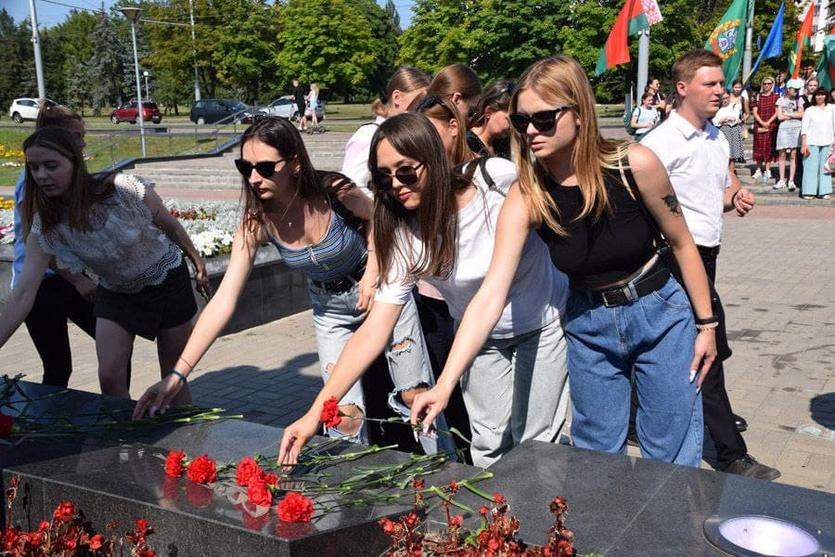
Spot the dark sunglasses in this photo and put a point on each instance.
(406, 175)
(543, 120)
(265, 168)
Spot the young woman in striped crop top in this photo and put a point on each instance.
(316, 220)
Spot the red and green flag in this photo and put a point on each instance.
(728, 38)
(826, 66)
(802, 40)
(630, 21)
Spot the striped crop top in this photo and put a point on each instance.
(333, 257)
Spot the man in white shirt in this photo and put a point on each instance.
(696, 156)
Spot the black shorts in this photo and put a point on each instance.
(157, 307)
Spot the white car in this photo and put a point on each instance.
(24, 109)
(282, 106)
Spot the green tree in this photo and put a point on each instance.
(325, 41)
(385, 30)
(106, 65)
(13, 40)
(441, 33)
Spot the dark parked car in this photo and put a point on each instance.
(129, 112)
(209, 111)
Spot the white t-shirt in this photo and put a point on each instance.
(355, 163)
(645, 116)
(697, 162)
(539, 290)
(818, 125)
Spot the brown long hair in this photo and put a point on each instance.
(496, 97)
(84, 191)
(405, 79)
(283, 136)
(456, 78)
(442, 109)
(414, 136)
(560, 80)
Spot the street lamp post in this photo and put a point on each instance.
(194, 51)
(147, 95)
(132, 14)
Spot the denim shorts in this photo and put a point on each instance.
(652, 339)
(336, 318)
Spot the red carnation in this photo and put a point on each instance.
(387, 525)
(258, 492)
(96, 542)
(456, 521)
(295, 507)
(499, 499)
(174, 464)
(6, 425)
(269, 479)
(202, 470)
(483, 510)
(330, 413)
(419, 483)
(453, 487)
(247, 468)
(64, 512)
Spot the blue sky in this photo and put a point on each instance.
(53, 12)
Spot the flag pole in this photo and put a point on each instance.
(643, 61)
(746, 57)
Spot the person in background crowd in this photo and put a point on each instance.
(789, 114)
(433, 223)
(116, 227)
(312, 106)
(645, 117)
(810, 87)
(729, 119)
(659, 100)
(817, 133)
(695, 156)
(807, 75)
(489, 133)
(404, 86)
(458, 83)
(765, 129)
(298, 97)
(780, 83)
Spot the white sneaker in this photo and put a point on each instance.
(757, 174)
(779, 185)
(766, 176)
(791, 186)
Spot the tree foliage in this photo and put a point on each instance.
(441, 33)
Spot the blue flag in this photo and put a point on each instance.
(773, 46)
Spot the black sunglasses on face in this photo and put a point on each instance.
(406, 175)
(543, 120)
(265, 168)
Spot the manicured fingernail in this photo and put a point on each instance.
(153, 410)
(692, 375)
(698, 389)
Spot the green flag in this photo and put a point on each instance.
(728, 39)
(826, 66)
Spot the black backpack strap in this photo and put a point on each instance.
(334, 183)
(631, 185)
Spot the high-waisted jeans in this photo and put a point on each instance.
(652, 338)
(336, 318)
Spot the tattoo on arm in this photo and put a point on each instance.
(672, 203)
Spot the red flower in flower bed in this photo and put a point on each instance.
(64, 512)
(96, 542)
(6, 425)
(174, 464)
(247, 468)
(202, 470)
(295, 507)
(270, 479)
(330, 413)
(258, 492)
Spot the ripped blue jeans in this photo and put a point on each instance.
(336, 318)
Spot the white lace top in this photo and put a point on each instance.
(125, 249)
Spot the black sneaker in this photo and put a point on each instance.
(749, 467)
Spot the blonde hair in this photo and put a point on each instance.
(404, 79)
(560, 80)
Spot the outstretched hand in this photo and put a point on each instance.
(296, 436)
(428, 405)
(157, 398)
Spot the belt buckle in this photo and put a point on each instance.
(628, 290)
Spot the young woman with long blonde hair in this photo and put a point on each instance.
(595, 203)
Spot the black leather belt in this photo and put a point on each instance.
(650, 281)
(342, 284)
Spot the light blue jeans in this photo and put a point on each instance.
(516, 389)
(815, 181)
(652, 338)
(336, 318)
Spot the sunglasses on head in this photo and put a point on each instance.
(543, 120)
(406, 175)
(265, 168)
(428, 102)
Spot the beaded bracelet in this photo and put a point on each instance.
(183, 378)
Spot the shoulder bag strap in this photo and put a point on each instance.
(631, 186)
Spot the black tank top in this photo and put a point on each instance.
(596, 253)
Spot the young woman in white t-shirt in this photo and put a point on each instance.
(433, 224)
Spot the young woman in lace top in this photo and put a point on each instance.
(116, 228)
